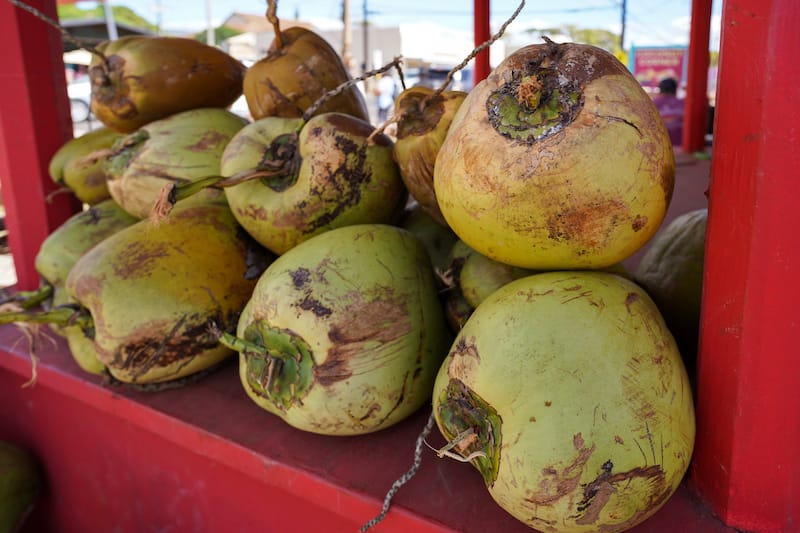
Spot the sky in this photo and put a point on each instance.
(648, 22)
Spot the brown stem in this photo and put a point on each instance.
(64, 33)
(344, 86)
(171, 193)
(272, 17)
(476, 51)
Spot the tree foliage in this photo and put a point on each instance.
(221, 33)
(605, 39)
(122, 15)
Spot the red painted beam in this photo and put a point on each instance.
(695, 123)
(34, 123)
(747, 458)
(482, 33)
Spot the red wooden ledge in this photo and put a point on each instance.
(205, 458)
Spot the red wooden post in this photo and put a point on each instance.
(696, 104)
(747, 459)
(34, 123)
(482, 33)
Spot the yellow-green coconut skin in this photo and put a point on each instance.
(153, 291)
(585, 194)
(586, 412)
(363, 300)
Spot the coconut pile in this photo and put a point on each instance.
(468, 262)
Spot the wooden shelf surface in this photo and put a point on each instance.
(203, 457)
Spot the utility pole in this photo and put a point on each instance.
(365, 29)
(159, 16)
(111, 24)
(209, 25)
(622, 32)
(347, 41)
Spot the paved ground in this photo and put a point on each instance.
(691, 183)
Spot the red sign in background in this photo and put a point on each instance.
(650, 65)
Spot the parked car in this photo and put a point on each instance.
(80, 98)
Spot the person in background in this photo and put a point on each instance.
(670, 107)
(386, 93)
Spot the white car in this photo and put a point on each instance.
(80, 99)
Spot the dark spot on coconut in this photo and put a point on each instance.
(631, 299)
(557, 483)
(597, 493)
(466, 349)
(548, 403)
(253, 212)
(418, 113)
(92, 217)
(315, 306)
(618, 439)
(589, 224)
(374, 408)
(350, 125)
(532, 419)
(343, 186)
(300, 277)
(160, 344)
(639, 222)
(110, 87)
(317, 131)
(336, 366)
(369, 320)
(210, 140)
(139, 257)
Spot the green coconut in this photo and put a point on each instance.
(180, 148)
(671, 271)
(79, 164)
(332, 173)
(20, 485)
(344, 333)
(566, 391)
(557, 160)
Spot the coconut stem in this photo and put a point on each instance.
(60, 316)
(460, 441)
(172, 192)
(272, 17)
(29, 299)
(402, 480)
(246, 347)
(319, 102)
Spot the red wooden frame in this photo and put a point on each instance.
(747, 458)
(34, 123)
(746, 463)
(695, 124)
(481, 33)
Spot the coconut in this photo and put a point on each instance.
(671, 271)
(300, 67)
(79, 164)
(21, 483)
(142, 78)
(344, 333)
(557, 160)
(566, 391)
(424, 118)
(180, 148)
(331, 174)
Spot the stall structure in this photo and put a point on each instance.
(204, 458)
